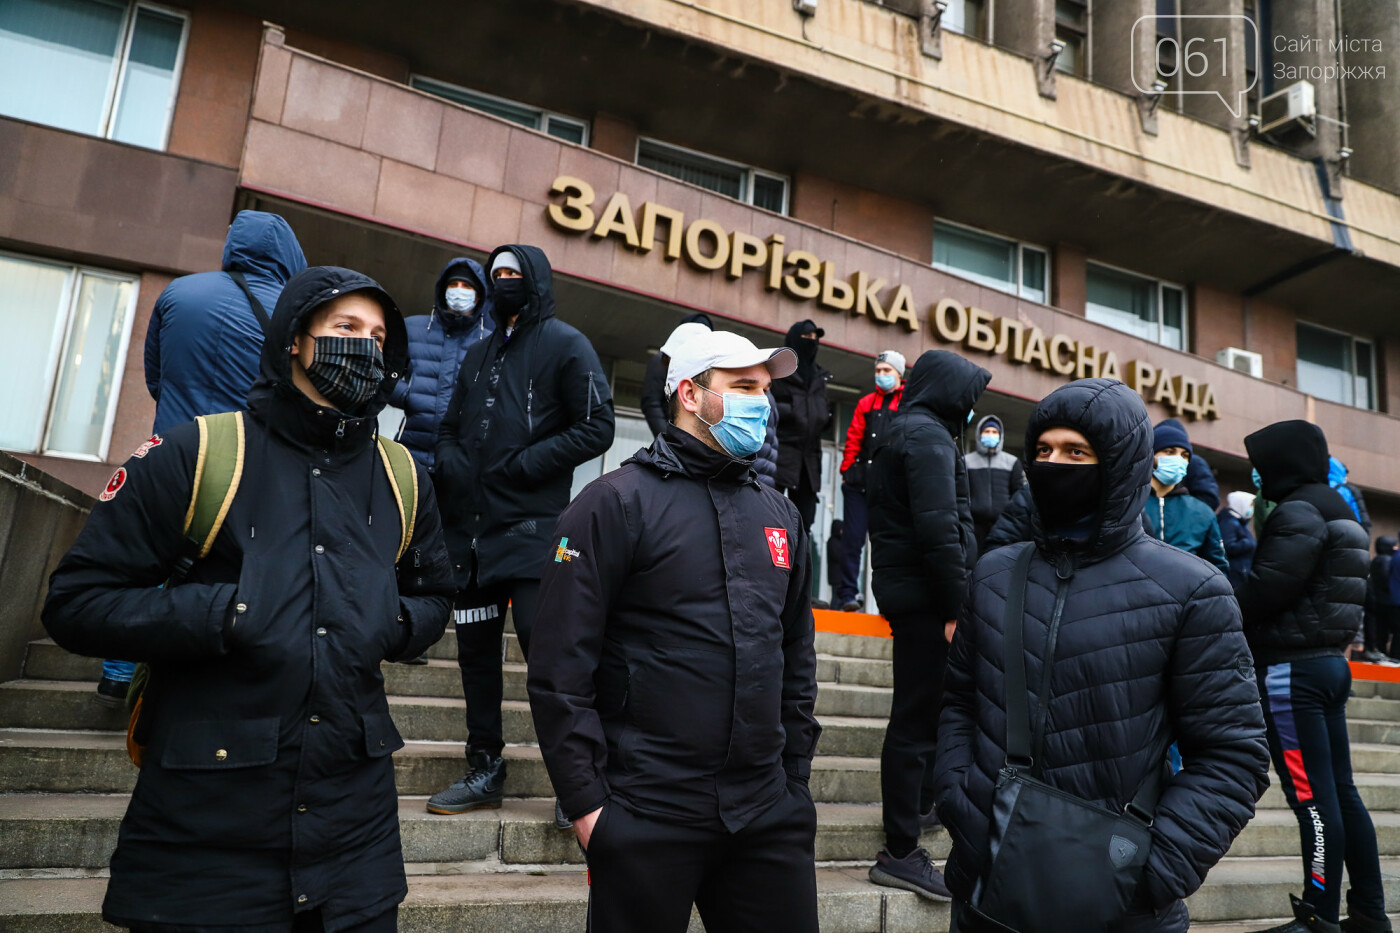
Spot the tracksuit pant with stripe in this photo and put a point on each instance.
(1305, 716)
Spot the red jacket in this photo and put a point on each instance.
(876, 401)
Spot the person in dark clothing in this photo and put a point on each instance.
(1015, 523)
(1200, 479)
(673, 675)
(765, 462)
(1168, 663)
(922, 548)
(654, 378)
(835, 543)
(1337, 479)
(863, 438)
(532, 403)
(1172, 515)
(804, 415)
(1382, 611)
(203, 343)
(1302, 605)
(1235, 535)
(993, 476)
(266, 794)
(437, 342)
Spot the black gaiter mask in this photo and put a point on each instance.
(510, 295)
(1065, 494)
(346, 370)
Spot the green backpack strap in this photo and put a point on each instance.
(403, 478)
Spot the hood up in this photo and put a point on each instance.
(945, 385)
(262, 244)
(1385, 544)
(994, 421)
(805, 348)
(539, 285)
(469, 270)
(304, 293)
(1240, 502)
(1288, 455)
(1336, 472)
(1113, 418)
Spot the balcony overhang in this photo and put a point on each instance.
(378, 168)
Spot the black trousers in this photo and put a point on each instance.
(804, 496)
(646, 874)
(306, 922)
(906, 761)
(1306, 723)
(480, 617)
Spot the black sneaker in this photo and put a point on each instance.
(482, 789)
(852, 606)
(1305, 920)
(112, 693)
(914, 872)
(560, 820)
(1357, 923)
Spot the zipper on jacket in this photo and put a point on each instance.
(1064, 570)
(340, 429)
(1161, 518)
(417, 558)
(530, 405)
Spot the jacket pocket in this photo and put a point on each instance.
(381, 735)
(221, 745)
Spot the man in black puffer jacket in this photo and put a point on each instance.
(922, 548)
(1147, 650)
(1302, 603)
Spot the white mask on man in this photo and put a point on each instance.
(461, 299)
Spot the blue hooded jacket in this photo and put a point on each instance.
(437, 342)
(1337, 479)
(204, 340)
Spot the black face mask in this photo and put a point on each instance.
(346, 370)
(1065, 494)
(510, 295)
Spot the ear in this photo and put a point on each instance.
(303, 342)
(690, 395)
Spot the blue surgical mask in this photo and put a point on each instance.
(461, 300)
(1258, 483)
(886, 381)
(990, 441)
(1170, 470)
(1248, 513)
(745, 423)
(970, 415)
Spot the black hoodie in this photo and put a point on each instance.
(529, 407)
(922, 545)
(270, 650)
(804, 414)
(1306, 589)
(1147, 650)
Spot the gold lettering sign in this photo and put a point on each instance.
(802, 276)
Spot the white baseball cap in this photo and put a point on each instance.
(681, 334)
(722, 349)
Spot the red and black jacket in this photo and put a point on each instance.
(864, 434)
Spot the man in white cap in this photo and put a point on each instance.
(673, 676)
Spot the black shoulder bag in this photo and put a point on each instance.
(1058, 863)
(263, 320)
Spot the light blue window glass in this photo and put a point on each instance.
(148, 84)
(34, 298)
(58, 61)
(1122, 301)
(88, 372)
(988, 260)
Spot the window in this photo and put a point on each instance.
(1336, 366)
(92, 66)
(992, 261)
(1145, 308)
(67, 328)
(743, 182)
(968, 17)
(569, 129)
(1072, 28)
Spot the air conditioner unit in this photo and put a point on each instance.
(805, 7)
(1295, 104)
(1243, 361)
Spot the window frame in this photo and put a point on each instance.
(545, 115)
(1372, 401)
(1018, 290)
(109, 122)
(1160, 284)
(750, 172)
(1085, 36)
(71, 291)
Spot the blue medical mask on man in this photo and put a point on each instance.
(1170, 469)
(1258, 483)
(740, 432)
(461, 298)
(886, 382)
(990, 439)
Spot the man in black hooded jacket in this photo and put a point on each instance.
(922, 549)
(1302, 602)
(804, 415)
(532, 403)
(1146, 647)
(266, 794)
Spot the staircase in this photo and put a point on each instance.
(64, 780)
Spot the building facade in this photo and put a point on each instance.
(1054, 188)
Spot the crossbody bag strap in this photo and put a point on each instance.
(242, 282)
(1018, 707)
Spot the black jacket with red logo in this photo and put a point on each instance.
(672, 667)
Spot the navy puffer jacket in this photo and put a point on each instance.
(765, 462)
(437, 342)
(1305, 593)
(1148, 650)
